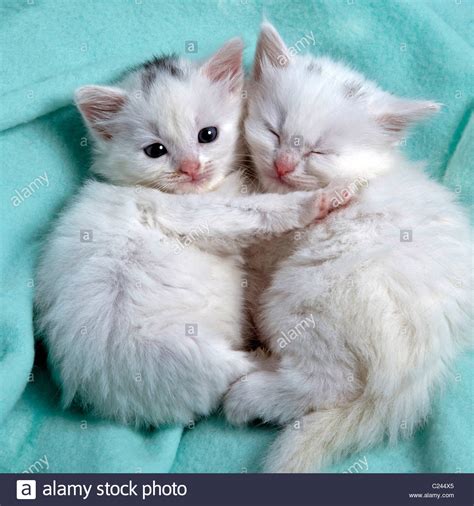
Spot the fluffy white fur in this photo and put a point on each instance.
(362, 327)
(155, 256)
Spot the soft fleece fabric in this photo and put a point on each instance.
(415, 48)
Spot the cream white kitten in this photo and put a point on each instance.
(139, 286)
(364, 312)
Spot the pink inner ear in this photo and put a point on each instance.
(404, 112)
(99, 104)
(226, 65)
(271, 49)
(223, 70)
(102, 108)
(392, 122)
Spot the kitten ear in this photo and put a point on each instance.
(270, 50)
(226, 65)
(98, 104)
(395, 115)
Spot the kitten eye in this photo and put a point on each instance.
(274, 133)
(155, 150)
(208, 134)
(318, 152)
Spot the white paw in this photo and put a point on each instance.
(237, 403)
(241, 364)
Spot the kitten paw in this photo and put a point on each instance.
(338, 196)
(237, 401)
(241, 364)
(323, 206)
(321, 203)
(313, 206)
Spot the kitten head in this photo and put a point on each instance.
(171, 124)
(312, 121)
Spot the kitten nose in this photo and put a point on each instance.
(283, 166)
(190, 167)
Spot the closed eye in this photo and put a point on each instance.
(272, 131)
(320, 152)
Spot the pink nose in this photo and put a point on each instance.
(190, 167)
(284, 166)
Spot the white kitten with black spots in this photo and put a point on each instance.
(142, 316)
(364, 312)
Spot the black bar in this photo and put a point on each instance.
(245, 489)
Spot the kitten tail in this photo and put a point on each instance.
(323, 437)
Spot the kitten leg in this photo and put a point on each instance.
(286, 391)
(197, 388)
(241, 219)
(155, 377)
(266, 395)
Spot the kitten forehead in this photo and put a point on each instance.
(169, 65)
(310, 87)
(168, 98)
(319, 71)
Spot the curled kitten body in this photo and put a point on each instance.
(139, 289)
(366, 310)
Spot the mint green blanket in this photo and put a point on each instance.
(48, 48)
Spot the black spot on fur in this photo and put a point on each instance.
(353, 89)
(314, 67)
(151, 68)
